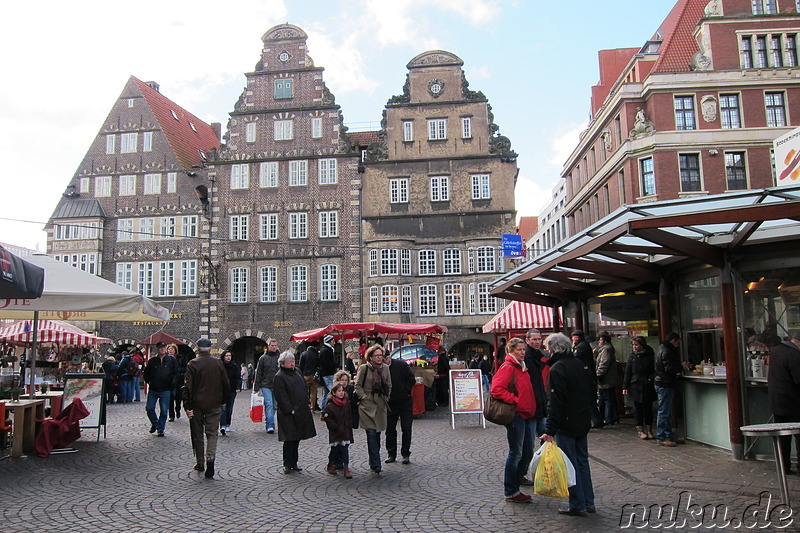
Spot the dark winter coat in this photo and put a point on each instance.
(180, 369)
(309, 361)
(295, 420)
(535, 364)
(207, 385)
(339, 419)
(569, 408)
(125, 370)
(583, 351)
(403, 382)
(667, 365)
(266, 368)
(606, 368)
(234, 373)
(783, 380)
(327, 361)
(639, 374)
(160, 375)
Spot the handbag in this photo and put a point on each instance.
(499, 412)
(256, 407)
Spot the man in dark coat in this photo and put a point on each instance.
(308, 367)
(180, 377)
(583, 351)
(327, 366)
(295, 420)
(783, 388)
(266, 368)
(159, 374)
(207, 389)
(535, 362)
(668, 372)
(400, 406)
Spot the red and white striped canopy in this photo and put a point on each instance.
(50, 331)
(521, 315)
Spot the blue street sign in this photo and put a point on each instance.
(512, 245)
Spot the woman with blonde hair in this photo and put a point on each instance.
(373, 386)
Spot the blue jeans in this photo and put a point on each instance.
(136, 389)
(339, 455)
(374, 448)
(608, 405)
(581, 496)
(485, 380)
(269, 407)
(663, 423)
(227, 410)
(327, 384)
(163, 398)
(126, 389)
(520, 452)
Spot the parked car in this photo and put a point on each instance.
(410, 353)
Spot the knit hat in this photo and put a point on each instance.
(327, 338)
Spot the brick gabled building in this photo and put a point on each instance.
(131, 213)
(692, 112)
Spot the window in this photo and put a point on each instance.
(398, 191)
(269, 284)
(329, 283)
(452, 299)
(147, 141)
(102, 186)
(298, 225)
(690, 172)
(127, 185)
(437, 129)
(776, 112)
(764, 7)
(746, 53)
(480, 187)
(125, 229)
(327, 172)
(298, 283)
(729, 111)
(268, 174)
(405, 299)
(440, 190)
(373, 263)
(84, 185)
(250, 132)
(240, 176)
(110, 144)
(298, 173)
(316, 127)
(427, 300)
(328, 224)
(388, 262)
(145, 279)
(238, 226)
(466, 127)
(125, 275)
(172, 182)
(189, 226)
(152, 183)
(648, 176)
(486, 259)
(128, 143)
(405, 262)
(283, 88)
(790, 51)
(761, 52)
(471, 297)
(451, 261)
(147, 228)
(238, 285)
(83, 230)
(130, 102)
(166, 278)
(735, 171)
(268, 227)
(373, 300)
(426, 262)
(471, 260)
(167, 227)
(487, 304)
(684, 113)
(283, 130)
(389, 301)
(188, 278)
(408, 130)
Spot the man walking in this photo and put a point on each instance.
(180, 376)
(266, 368)
(783, 389)
(400, 406)
(206, 390)
(327, 367)
(309, 366)
(668, 372)
(159, 374)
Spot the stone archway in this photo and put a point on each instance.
(464, 350)
(246, 346)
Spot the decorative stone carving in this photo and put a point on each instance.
(284, 32)
(327, 96)
(435, 57)
(713, 9)
(501, 145)
(708, 105)
(467, 93)
(701, 60)
(642, 126)
(606, 138)
(435, 87)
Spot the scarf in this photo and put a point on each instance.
(377, 377)
(338, 401)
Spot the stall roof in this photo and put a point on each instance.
(635, 245)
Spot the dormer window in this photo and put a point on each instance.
(174, 115)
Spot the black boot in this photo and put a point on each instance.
(209, 469)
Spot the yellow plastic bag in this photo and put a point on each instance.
(551, 473)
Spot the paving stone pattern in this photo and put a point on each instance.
(133, 481)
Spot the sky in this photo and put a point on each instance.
(66, 63)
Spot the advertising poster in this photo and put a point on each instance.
(466, 391)
(89, 388)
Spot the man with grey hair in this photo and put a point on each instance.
(266, 368)
(206, 389)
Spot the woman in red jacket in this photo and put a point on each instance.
(512, 384)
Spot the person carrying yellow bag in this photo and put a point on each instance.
(553, 473)
(569, 418)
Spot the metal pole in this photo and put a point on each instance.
(32, 357)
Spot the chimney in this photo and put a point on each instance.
(216, 127)
(153, 85)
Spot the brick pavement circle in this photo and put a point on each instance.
(133, 481)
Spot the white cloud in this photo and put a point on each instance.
(564, 141)
(482, 72)
(531, 197)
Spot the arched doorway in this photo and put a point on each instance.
(247, 350)
(466, 349)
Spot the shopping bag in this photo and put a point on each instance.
(256, 407)
(570, 468)
(551, 473)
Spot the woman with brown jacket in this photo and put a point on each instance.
(373, 386)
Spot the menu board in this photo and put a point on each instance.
(466, 391)
(90, 389)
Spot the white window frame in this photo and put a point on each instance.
(647, 177)
(189, 226)
(466, 127)
(147, 141)
(238, 285)
(298, 225)
(298, 173)
(268, 226)
(471, 260)
(329, 282)
(389, 262)
(390, 299)
(406, 305)
(328, 174)
(440, 188)
(398, 190)
(373, 301)
(405, 262)
(85, 183)
(102, 186)
(239, 227)
(730, 115)
(684, 115)
(125, 275)
(373, 263)
(316, 127)
(152, 183)
(451, 261)
(167, 227)
(111, 142)
(764, 7)
(147, 229)
(129, 143)
(486, 259)
(426, 263)
(145, 273)
(125, 229)
(481, 187)
(453, 299)
(328, 224)
(240, 176)
(188, 285)
(269, 284)
(268, 174)
(487, 304)
(284, 130)
(166, 278)
(127, 185)
(428, 304)
(172, 182)
(250, 132)
(408, 131)
(298, 283)
(437, 129)
(775, 119)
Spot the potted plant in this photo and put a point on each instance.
(15, 393)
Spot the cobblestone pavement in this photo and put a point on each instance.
(132, 481)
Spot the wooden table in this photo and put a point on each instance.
(54, 398)
(26, 412)
(775, 431)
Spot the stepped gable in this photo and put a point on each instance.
(678, 43)
(186, 142)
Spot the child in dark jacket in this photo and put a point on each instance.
(339, 419)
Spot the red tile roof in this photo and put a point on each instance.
(186, 141)
(527, 227)
(363, 138)
(677, 34)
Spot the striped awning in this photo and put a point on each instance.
(521, 315)
(50, 331)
